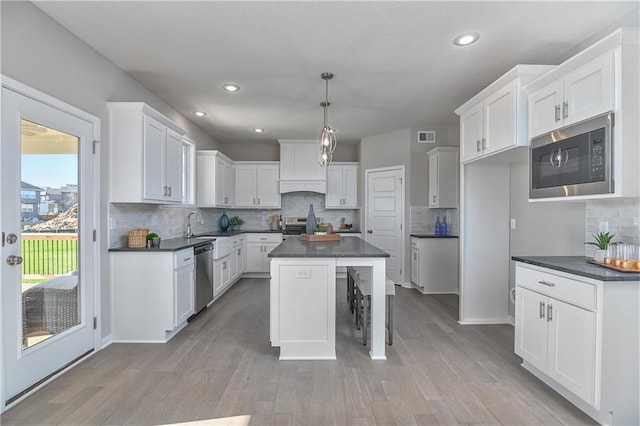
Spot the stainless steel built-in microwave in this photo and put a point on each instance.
(574, 160)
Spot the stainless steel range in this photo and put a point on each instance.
(295, 226)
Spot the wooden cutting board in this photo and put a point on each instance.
(328, 237)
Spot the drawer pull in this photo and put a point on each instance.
(547, 283)
(541, 309)
(186, 259)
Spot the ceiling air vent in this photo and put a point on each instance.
(426, 136)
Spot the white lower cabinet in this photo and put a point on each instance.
(559, 339)
(153, 294)
(229, 263)
(258, 247)
(434, 265)
(581, 336)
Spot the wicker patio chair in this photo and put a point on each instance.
(50, 307)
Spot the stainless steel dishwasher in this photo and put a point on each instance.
(203, 293)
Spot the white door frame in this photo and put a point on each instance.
(365, 204)
(43, 98)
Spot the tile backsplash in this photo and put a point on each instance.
(423, 219)
(622, 216)
(169, 221)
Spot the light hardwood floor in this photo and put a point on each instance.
(221, 369)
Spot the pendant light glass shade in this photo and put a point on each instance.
(327, 137)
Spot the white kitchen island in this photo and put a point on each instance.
(303, 296)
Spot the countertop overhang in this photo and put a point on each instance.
(578, 265)
(346, 247)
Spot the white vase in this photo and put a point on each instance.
(599, 255)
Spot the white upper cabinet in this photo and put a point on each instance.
(257, 184)
(495, 119)
(215, 180)
(146, 155)
(342, 186)
(581, 94)
(443, 177)
(299, 167)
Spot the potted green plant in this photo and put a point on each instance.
(154, 238)
(235, 223)
(321, 230)
(602, 242)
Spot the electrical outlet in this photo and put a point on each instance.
(603, 227)
(513, 223)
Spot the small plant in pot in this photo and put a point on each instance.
(321, 230)
(153, 239)
(235, 223)
(602, 242)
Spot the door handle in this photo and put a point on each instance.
(541, 309)
(549, 312)
(557, 113)
(369, 231)
(14, 260)
(565, 109)
(478, 145)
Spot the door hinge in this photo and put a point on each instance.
(95, 144)
(95, 323)
(95, 235)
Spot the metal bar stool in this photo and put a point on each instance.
(361, 277)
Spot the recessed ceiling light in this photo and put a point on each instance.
(199, 113)
(258, 130)
(230, 87)
(466, 39)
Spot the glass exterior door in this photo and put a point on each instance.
(47, 219)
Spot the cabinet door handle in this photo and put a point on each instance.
(547, 283)
(549, 312)
(565, 109)
(484, 143)
(224, 265)
(258, 201)
(434, 198)
(541, 309)
(478, 145)
(254, 201)
(164, 191)
(169, 191)
(557, 113)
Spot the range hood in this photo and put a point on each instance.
(299, 167)
(319, 186)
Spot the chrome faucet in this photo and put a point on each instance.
(189, 233)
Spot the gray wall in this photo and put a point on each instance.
(542, 228)
(39, 52)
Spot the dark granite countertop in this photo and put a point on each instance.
(171, 244)
(433, 236)
(175, 244)
(242, 231)
(346, 247)
(578, 265)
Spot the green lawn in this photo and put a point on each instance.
(49, 257)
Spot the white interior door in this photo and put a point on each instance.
(48, 251)
(385, 214)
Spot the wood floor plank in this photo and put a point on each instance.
(221, 369)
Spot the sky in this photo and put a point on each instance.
(54, 171)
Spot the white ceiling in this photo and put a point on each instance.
(394, 62)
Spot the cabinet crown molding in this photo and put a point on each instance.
(146, 109)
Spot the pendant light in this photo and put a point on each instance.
(327, 134)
